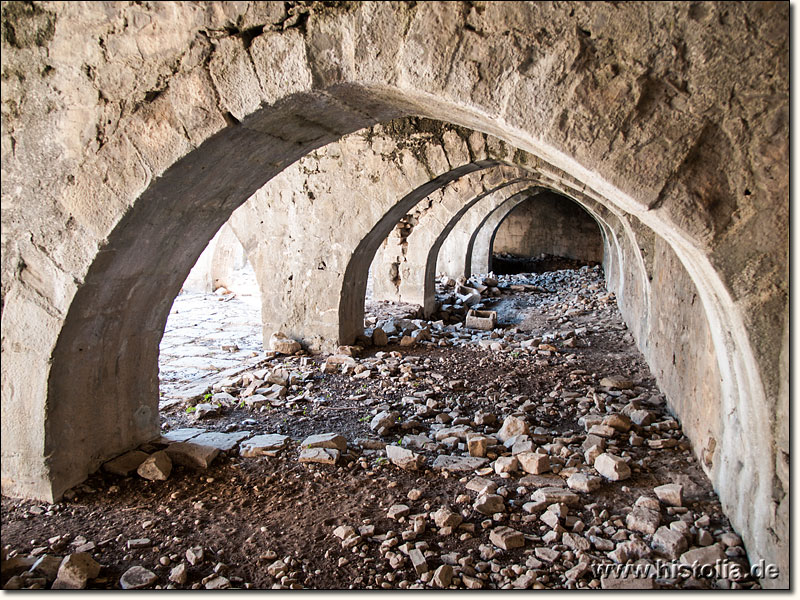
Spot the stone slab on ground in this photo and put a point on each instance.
(261, 444)
(180, 435)
(221, 441)
(550, 495)
(670, 543)
(481, 485)
(542, 481)
(190, 454)
(534, 462)
(325, 440)
(125, 464)
(447, 462)
(670, 494)
(325, 456)
(137, 578)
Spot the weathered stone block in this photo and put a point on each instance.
(481, 319)
(325, 456)
(126, 464)
(612, 467)
(156, 467)
(506, 538)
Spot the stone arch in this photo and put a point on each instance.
(300, 217)
(408, 284)
(131, 183)
(431, 251)
(476, 258)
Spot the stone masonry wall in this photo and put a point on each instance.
(550, 225)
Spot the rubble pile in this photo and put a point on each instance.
(554, 462)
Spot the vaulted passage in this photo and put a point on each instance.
(540, 234)
(412, 149)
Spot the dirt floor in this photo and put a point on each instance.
(560, 362)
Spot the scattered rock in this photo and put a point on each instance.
(581, 482)
(379, 337)
(404, 458)
(125, 464)
(178, 574)
(616, 382)
(704, 556)
(195, 555)
(612, 467)
(670, 494)
(550, 495)
(458, 463)
(156, 467)
(279, 342)
(481, 485)
(396, 511)
(506, 538)
(325, 440)
(137, 578)
(643, 520)
(443, 576)
(669, 543)
(533, 462)
(47, 566)
(488, 504)
(512, 426)
(506, 464)
(204, 410)
(263, 444)
(325, 456)
(218, 583)
(193, 455)
(444, 517)
(384, 422)
(477, 444)
(418, 561)
(221, 441)
(75, 571)
(627, 582)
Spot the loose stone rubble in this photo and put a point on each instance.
(483, 459)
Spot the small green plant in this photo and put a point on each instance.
(364, 419)
(208, 396)
(241, 404)
(190, 409)
(381, 460)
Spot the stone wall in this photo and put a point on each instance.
(213, 269)
(131, 132)
(549, 224)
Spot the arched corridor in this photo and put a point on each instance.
(132, 134)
